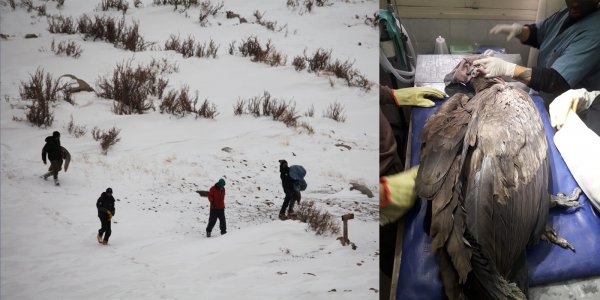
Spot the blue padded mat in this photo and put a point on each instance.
(419, 273)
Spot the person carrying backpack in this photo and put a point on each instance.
(106, 210)
(216, 196)
(292, 181)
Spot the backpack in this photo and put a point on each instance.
(297, 174)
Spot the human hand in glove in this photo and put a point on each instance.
(414, 96)
(494, 67)
(109, 214)
(511, 30)
(576, 100)
(396, 195)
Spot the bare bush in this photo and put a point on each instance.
(238, 107)
(341, 70)
(12, 4)
(179, 103)
(322, 3)
(61, 24)
(308, 4)
(114, 31)
(189, 47)
(28, 5)
(119, 5)
(137, 3)
(299, 63)
(252, 48)
(163, 66)
(279, 110)
(319, 60)
(207, 110)
(309, 129)
(69, 48)
(320, 221)
(231, 48)
(270, 25)
(131, 87)
(176, 3)
(107, 138)
(310, 112)
(42, 90)
(76, 130)
(208, 9)
(335, 111)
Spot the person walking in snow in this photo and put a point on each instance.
(53, 150)
(106, 210)
(288, 188)
(216, 196)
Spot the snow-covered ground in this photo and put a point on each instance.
(158, 249)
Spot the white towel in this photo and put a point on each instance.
(580, 148)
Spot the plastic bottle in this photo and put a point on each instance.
(440, 46)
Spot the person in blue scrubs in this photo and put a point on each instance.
(569, 57)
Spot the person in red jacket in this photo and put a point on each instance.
(216, 196)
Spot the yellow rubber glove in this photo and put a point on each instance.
(576, 100)
(415, 96)
(396, 195)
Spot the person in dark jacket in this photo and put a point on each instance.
(288, 188)
(53, 150)
(106, 210)
(216, 196)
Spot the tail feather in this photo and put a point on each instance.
(484, 281)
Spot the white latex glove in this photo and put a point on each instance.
(494, 67)
(576, 100)
(511, 31)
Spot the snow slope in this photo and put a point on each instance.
(158, 249)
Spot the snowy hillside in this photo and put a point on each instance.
(158, 248)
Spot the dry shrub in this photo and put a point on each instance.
(335, 111)
(12, 4)
(231, 48)
(114, 31)
(189, 47)
(309, 129)
(259, 106)
(106, 138)
(42, 90)
(319, 60)
(208, 9)
(176, 3)
(61, 24)
(163, 66)
(252, 48)
(270, 25)
(299, 63)
(310, 112)
(76, 130)
(207, 110)
(69, 48)
(131, 87)
(179, 103)
(238, 107)
(28, 5)
(119, 5)
(320, 221)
